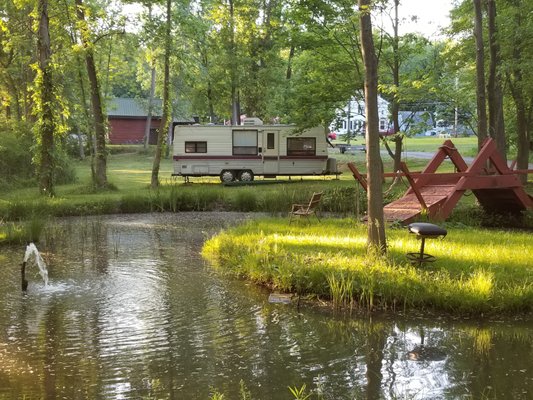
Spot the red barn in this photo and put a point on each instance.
(127, 120)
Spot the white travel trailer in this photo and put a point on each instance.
(242, 152)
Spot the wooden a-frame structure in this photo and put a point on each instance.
(433, 194)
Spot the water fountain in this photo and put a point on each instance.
(31, 250)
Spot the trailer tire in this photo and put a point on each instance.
(227, 175)
(246, 176)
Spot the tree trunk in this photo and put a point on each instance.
(47, 123)
(288, 74)
(480, 75)
(210, 103)
(150, 107)
(100, 162)
(376, 227)
(522, 140)
(235, 117)
(165, 119)
(522, 120)
(494, 89)
(395, 108)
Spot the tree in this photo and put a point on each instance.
(165, 119)
(46, 99)
(100, 157)
(376, 226)
(480, 74)
(324, 70)
(517, 35)
(17, 55)
(494, 88)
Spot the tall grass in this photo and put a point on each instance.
(477, 270)
(19, 233)
(175, 197)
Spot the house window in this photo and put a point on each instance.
(195, 147)
(301, 146)
(382, 125)
(245, 142)
(271, 141)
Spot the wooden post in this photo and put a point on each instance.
(413, 186)
(357, 175)
(24, 282)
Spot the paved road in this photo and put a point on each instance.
(429, 156)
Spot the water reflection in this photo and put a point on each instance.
(131, 312)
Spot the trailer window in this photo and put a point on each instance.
(245, 142)
(195, 147)
(271, 142)
(300, 146)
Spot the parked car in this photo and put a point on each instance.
(332, 136)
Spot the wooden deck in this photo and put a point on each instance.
(434, 195)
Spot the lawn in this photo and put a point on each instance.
(130, 174)
(465, 145)
(477, 270)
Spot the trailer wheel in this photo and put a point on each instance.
(246, 176)
(227, 176)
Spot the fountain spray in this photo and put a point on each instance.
(31, 249)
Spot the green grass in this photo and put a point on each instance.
(477, 270)
(467, 146)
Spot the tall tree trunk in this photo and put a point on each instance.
(288, 74)
(47, 123)
(148, 125)
(480, 75)
(100, 158)
(235, 117)
(516, 85)
(210, 103)
(494, 89)
(150, 108)
(395, 108)
(165, 119)
(376, 226)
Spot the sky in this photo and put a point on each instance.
(432, 16)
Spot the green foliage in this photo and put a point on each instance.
(15, 156)
(64, 171)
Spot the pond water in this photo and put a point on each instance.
(131, 311)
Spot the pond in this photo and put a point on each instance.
(131, 311)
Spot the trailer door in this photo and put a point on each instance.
(270, 152)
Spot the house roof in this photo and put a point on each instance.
(129, 107)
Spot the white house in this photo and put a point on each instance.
(351, 119)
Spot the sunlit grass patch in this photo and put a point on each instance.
(477, 270)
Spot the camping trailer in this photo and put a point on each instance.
(242, 152)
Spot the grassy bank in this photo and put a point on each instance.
(23, 210)
(477, 270)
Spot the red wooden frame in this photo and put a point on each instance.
(436, 194)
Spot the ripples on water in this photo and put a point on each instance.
(132, 312)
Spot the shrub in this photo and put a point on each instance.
(15, 156)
